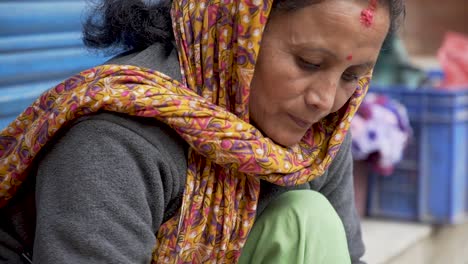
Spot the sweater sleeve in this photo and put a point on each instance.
(100, 194)
(339, 190)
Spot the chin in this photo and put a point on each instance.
(287, 140)
(281, 135)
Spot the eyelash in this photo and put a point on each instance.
(347, 77)
(307, 65)
(350, 77)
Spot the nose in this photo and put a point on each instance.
(321, 95)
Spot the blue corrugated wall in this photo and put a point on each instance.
(40, 45)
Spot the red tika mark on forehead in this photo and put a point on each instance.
(367, 15)
(350, 57)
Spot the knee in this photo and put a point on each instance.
(308, 207)
(298, 227)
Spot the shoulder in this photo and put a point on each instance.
(340, 168)
(131, 130)
(343, 158)
(117, 144)
(344, 154)
(154, 57)
(120, 152)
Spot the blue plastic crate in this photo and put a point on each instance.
(431, 183)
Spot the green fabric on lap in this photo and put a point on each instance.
(297, 227)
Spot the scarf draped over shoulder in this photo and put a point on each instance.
(218, 43)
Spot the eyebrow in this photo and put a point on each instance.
(367, 65)
(322, 50)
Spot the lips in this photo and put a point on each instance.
(300, 122)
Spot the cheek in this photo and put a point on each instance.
(341, 99)
(271, 86)
(275, 73)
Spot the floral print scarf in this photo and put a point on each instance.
(218, 43)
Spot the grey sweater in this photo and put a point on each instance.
(108, 181)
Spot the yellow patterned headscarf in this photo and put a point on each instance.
(218, 44)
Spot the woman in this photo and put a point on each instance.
(216, 163)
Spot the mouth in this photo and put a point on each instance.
(300, 122)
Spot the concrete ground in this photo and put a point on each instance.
(392, 242)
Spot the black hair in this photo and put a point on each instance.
(122, 25)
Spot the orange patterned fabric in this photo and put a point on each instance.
(218, 43)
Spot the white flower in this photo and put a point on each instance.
(259, 151)
(300, 157)
(256, 32)
(338, 137)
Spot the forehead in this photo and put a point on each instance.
(333, 19)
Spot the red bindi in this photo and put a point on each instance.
(350, 57)
(367, 15)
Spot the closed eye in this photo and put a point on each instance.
(306, 65)
(350, 77)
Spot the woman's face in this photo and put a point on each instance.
(309, 64)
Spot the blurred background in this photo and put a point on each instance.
(411, 184)
(40, 45)
(410, 138)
